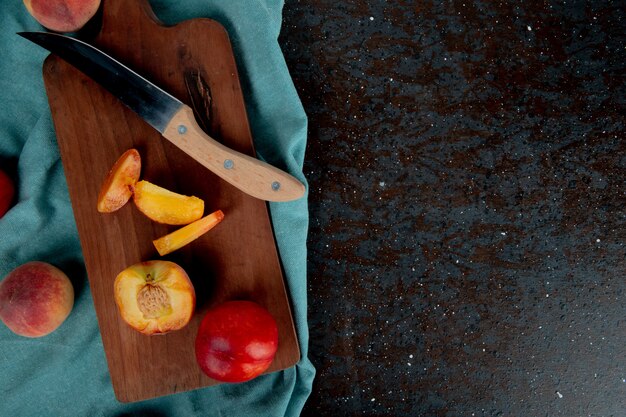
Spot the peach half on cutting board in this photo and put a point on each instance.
(155, 297)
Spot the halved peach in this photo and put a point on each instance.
(155, 297)
(117, 188)
(179, 238)
(165, 206)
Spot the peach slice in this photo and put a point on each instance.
(155, 297)
(117, 188)
(165, 206)
(176, 240)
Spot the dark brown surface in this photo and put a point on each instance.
(236, 260)
(467, 165)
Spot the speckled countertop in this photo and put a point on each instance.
(467, 165)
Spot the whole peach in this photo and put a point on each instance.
(62, 15)
(35, 299)
(7, 190)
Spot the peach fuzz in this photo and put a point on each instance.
(35, 298)
(62, 15)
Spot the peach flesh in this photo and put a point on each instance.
(181, 237)
(155, 297)
(165, 206)
(118, 186)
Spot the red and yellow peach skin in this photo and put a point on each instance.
(62, 15)
(119, 184)
(35, 299)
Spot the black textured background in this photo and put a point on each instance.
(467, 165)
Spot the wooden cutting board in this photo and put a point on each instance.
(237, 260)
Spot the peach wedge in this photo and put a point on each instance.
(155, 297)
(164, 206)
(176, 240)
(117, 188)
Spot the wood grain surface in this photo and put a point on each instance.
(236, 260)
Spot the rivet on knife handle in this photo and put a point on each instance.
(249, 174)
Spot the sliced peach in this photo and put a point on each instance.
(155, 297)
(176, 240)
(117, 188)
(165, 206)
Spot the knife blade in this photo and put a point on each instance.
(172, 118)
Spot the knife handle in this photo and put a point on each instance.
(250, 175)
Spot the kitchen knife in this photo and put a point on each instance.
(173, 119)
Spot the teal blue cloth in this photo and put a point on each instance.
(65, 373)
